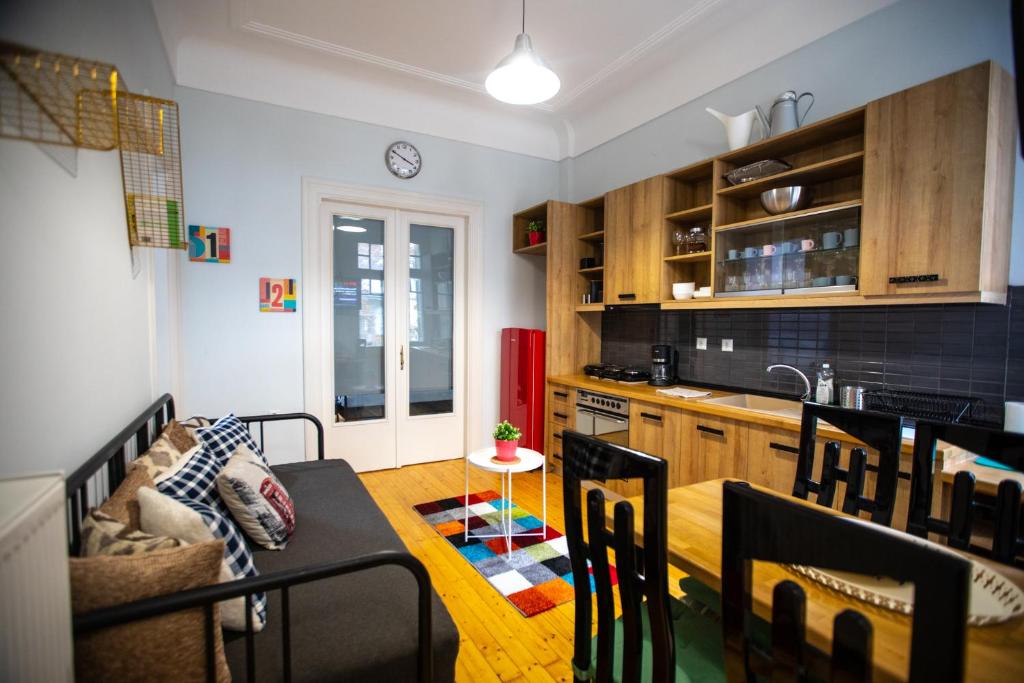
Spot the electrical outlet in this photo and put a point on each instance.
(702, 343)
(727, 345)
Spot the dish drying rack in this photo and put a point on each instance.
(921, 405)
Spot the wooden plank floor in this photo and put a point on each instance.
(497, 642)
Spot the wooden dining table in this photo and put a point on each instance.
(994, 652)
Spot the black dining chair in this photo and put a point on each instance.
(759, 526)
(643, 644)
(1004, 511)
(881, 431)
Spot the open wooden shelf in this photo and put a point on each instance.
(825, 208)
(596, 236)
(847, 124)
(682, 258)
(591, 271)
(697, 172)
(541, 248)
(697, 213)
(823, 171)
(589, 308)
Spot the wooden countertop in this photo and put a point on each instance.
(645, 392)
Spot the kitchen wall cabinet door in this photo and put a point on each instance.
(718, 448)
(634, 234)
(938, 178)
(771, 457)
(656, 430)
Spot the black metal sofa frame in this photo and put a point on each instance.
(93, 483)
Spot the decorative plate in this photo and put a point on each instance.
(994, 599)
(756, 170)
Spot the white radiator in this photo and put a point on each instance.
(35, 602)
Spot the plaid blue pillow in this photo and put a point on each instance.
(222, 438)
(239, 559)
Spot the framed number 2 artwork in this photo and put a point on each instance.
(277, 295)
(209, 245)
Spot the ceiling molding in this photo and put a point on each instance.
(638, 51)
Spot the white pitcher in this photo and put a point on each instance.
(737, 128)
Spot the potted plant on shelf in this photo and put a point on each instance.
(506, 440)
(535, 232)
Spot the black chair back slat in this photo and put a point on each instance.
(856, 474)
(851, 648)
(1003, 447)
(1006, 542)
(880, 431)
(788, 632)
(765, 527)
(629, 594)
(642, 576)
(598, 537)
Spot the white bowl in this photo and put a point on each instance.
(679, 296)
(705, 291)
(683, 286)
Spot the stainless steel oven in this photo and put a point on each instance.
(603, 416)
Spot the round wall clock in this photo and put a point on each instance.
(403, 160)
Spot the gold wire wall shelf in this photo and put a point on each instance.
(151, 171)
(56, 99)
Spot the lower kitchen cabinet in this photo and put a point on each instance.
(656, 430)
(771, 457)
(718, 448)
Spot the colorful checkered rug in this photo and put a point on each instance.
(535, 578)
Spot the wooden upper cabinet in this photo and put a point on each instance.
(634, 220)
(938, 182)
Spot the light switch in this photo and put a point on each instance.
(727, 345)
(702, 343)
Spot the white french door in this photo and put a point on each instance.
(392, 337)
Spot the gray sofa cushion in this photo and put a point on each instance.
(359, 627)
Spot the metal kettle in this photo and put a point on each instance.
(783, 115)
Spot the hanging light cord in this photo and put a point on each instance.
(524, 16)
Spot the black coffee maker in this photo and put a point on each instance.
(663, 365)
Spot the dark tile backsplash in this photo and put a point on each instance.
(962, 349)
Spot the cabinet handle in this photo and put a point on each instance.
(710, 430)
(561, 394)
(557, 436)
(561, 415)
(783, 447)
(651, 416)
(627, 295)
(906, 279)
(557, 456)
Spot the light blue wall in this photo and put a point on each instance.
(905, 44)
(243, 165)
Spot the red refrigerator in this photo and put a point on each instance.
(522, 383)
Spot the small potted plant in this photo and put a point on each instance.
(506, 440)
(535, 232)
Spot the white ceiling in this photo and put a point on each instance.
(420, 64)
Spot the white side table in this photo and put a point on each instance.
(529, 460)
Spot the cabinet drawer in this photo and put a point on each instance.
(719, 448)
(772, 456)
(559, 398)
(554, 447)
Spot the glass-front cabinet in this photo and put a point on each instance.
(813, 253)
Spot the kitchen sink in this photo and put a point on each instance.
(761, 404)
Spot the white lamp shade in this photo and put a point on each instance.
(522, 77)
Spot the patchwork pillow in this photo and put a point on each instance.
(104, 535)
(194, 423)
(179, 436)
(166, 648)
(122, 504)
(194, 521)
(164, 458)
(257, 500)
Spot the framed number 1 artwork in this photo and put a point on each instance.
(209, 245)
(277, 295)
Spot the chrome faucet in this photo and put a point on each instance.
(807, 382)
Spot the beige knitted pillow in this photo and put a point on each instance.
(123, 504)
(167, 648)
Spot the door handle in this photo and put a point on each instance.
(907, 279)
(557, 436)
(710, 430)
(783, 447)
(401, 358)
(561, 416)
(560, 394)
(627, 296)
(651, 416)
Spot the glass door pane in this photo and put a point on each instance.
(431, 321)
(359, 377)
